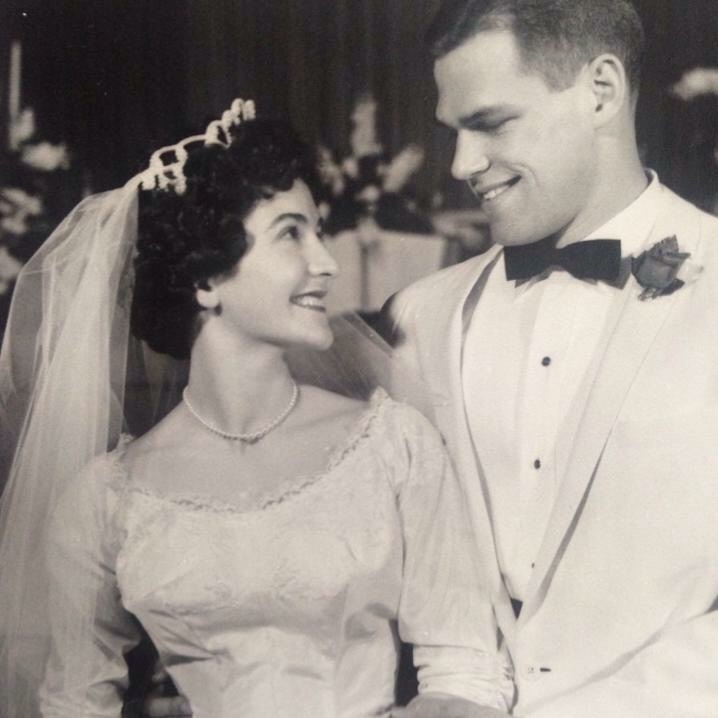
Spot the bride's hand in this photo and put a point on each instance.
(162, 700)
(441, 705)
(162, 707)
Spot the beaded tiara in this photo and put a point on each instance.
(166, 167)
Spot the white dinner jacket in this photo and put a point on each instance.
(620, 617)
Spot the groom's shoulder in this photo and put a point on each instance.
(445, 281)
(433, 296)
(691, 214)
(696, 229)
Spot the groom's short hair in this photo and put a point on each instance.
(556, 37)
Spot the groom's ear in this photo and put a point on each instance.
(609, 87)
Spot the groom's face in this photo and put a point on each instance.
(526, 150)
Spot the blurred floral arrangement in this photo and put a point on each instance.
(696, 82)
(699, 82)
(368, 187)
(33, 172)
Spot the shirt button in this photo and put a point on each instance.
(532, 673)
(546, 361)
(537, 464)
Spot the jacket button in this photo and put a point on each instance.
(532, 673)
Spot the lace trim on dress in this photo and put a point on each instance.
(121, 481)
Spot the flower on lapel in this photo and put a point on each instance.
(657, 269)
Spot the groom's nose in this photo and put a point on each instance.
(470, 154)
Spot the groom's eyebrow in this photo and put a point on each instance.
(481, 117)
(487, 115)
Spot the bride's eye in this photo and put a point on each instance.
(290, 232)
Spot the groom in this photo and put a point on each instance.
(573, 368)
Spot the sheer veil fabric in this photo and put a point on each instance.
(62, 380)
(72, 379)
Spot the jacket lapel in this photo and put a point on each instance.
(629, 333)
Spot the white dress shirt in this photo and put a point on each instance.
(526, 350)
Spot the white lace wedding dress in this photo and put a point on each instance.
(286, 606)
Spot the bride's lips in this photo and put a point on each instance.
(489, 193)
(313, 300)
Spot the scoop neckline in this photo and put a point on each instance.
(292, 486)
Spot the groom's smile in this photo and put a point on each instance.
(489, 193)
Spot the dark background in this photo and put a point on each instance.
(119, 78)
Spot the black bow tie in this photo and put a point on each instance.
(591, 259)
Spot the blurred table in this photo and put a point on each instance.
(372, 269)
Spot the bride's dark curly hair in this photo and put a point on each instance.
(185, 239)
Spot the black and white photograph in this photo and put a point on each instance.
(359, 358)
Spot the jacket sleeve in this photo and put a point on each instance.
(673, 675)
(445, 610)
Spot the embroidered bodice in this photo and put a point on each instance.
(284, 606)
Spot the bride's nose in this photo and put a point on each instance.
(319, 260)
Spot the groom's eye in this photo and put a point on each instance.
(490, 126)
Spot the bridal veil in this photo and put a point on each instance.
(72, 380)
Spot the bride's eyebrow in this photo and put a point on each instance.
(296, 216)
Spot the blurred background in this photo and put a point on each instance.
(89, 88)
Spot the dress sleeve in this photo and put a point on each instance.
(445, 609)
(86, 674)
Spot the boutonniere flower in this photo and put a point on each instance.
(662, 269)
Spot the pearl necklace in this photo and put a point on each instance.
(253, 436)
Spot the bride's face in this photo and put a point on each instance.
(277, 292)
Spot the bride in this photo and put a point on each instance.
(269, 535)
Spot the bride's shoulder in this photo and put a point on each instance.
(379, 415)
(106, 467)
(93, 489)
(319, 405)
